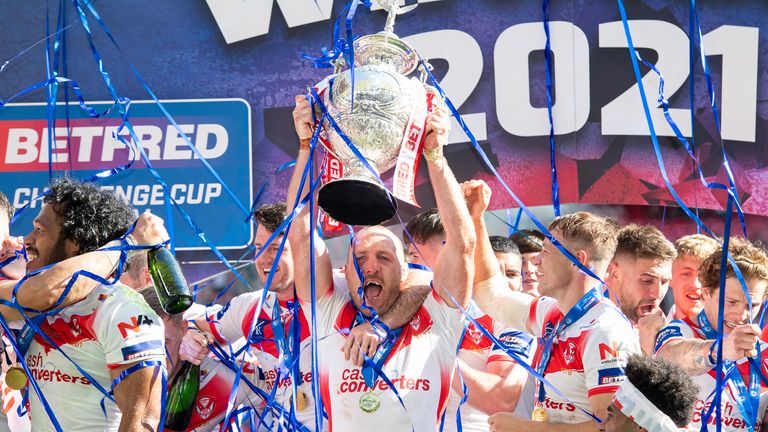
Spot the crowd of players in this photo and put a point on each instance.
(448, 328)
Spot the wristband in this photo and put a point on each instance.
(432, 155)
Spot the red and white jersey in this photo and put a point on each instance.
(234, 322)
(420, 367)
(112, 327)
(587, 359)
(477, 351)
(216, 382)
(10, 420)
(731, 418)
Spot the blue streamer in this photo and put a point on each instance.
(548, 66)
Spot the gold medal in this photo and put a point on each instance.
(539, 414)
(302, 401)
(369, 402)
(15, 377)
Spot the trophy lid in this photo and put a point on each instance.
(385, 48)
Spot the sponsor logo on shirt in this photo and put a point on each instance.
(353, 382)
(613, 352)
(134, 326)
(144, 349)
(56, 375)
(727, 415)
(610, 376)
(517, 342)
(560, 406)
(665, 334)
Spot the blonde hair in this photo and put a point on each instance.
(590, 232)
(696, 246)
(750, 257)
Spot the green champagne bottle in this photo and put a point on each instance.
(171, 288)
(182, 397)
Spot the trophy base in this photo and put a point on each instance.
(357, 202)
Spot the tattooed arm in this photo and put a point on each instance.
(694, 354)
(690, 354)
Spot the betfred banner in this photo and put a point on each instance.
(83, 146)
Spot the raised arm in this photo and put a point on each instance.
(41, 291)
(454, 270)
(693, 355)
(300, 231)
(490, 290)
(477, 194)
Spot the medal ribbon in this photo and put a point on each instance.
(382, 353)
(287, 345)
(587, 302)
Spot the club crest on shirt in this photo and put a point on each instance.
(416, 322)
(569, 353)
(204, 406)
(475, 334)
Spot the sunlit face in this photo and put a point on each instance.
(554, 270)
(530, 280)
(282, 280)
(686, 286)
(510, 264)
(736, 310)
(44, 243)
(174, 332)
(426, 253)
(616, 421)
(639, 284)
(375, 249)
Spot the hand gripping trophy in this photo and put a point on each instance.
(385, 122)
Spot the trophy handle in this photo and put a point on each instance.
(424, 66)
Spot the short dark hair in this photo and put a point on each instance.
(90, 216)
(423, 227)
(271, 216)
(644, 241)
(528, 241)
(501, 244)
(666, 385)
(5, 206)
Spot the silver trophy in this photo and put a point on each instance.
(385, 102)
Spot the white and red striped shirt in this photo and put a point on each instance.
(731, 418)
(420, 366)
(477, 351)
(587, 359)
(233, 322)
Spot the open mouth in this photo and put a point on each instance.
(372, 290)
(645, 310)
(731, 324)
(267, 270)
(693, 297)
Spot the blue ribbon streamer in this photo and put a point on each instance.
(548, 67)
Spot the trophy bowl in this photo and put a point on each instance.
(375, 122)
